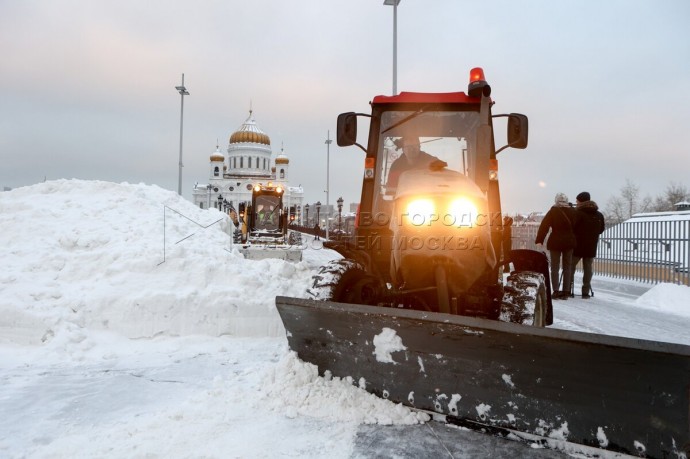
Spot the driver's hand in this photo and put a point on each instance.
(437, 165)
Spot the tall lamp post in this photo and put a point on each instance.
(328, 174)
(340, 213)
(394, 3)
(306, 214)
(183, 92)
(220, 202)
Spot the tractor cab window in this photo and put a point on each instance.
(423, 140)
(267, 213)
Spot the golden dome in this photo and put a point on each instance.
(249, 132)
(282, 159)
(217, 156)
(249, 137)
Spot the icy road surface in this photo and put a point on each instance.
(615, 310)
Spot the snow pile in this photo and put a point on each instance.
(129, 351)
(92, 254)
(670, 298)
(294, 388)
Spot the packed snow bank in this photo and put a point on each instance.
(670, 298)
(294, 388)
(91, 254)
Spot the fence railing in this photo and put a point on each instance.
(645, 251)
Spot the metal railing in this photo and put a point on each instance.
(645, 251)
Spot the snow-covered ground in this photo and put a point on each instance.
(111, 346)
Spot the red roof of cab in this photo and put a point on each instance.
(426, 97)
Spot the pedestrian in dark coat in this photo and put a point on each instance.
(590, 224)
(560, 219)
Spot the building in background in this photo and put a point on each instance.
(248, 163)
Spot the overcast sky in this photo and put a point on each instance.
(88, 86)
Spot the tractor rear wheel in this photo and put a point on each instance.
(344, 281)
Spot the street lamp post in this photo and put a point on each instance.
(183, 92)
(394, 3)
(306, 214)
(340, 213)
(328, 174)
(220, 202)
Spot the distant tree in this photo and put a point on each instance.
(674, 193)
(615, 212)
(626, 204)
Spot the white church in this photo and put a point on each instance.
(248, 163)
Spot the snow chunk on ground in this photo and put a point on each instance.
(295, 388)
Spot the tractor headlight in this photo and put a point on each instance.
(420, 211)
(461, 212)
(443, 211)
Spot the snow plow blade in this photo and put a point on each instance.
(621, 394)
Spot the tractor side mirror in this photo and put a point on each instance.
(517, 131)
(347, 129)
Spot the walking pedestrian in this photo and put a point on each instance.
(560, 220)
(589, 225)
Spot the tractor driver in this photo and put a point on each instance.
(271, 216)
(267, 215)
(412, 158)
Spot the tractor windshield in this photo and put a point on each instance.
(422, 139)
(267, 216)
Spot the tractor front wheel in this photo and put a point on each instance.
(345, 281)
(524, 299)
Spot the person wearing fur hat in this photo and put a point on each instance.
(589, 225)
(560, 220)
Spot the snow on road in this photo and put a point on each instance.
(622, 308)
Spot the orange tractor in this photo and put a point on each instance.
(421, 283)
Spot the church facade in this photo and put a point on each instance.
(248, 163)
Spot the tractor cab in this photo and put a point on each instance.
(430, 195)
(263, 231)
(267, 212)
